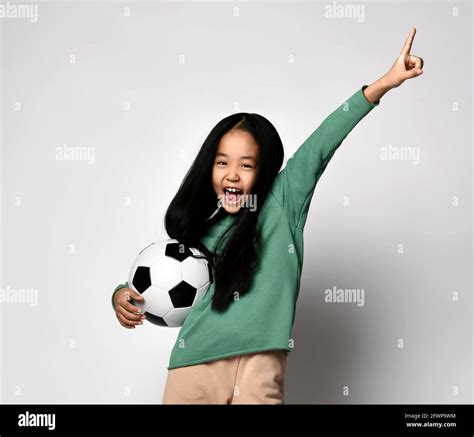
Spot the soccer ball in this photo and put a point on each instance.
(170, 280)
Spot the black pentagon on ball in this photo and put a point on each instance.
(177, 251)
(141, 279)
(155, 319)
(182, 295)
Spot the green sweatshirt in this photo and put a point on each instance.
(263, 318)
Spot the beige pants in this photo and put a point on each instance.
(256, 378)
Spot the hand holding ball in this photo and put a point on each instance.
(170, 280)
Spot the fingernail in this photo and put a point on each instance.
(140, 323)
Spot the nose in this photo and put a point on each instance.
(232, 176)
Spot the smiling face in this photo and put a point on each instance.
(235, 166)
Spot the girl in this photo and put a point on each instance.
(233, 345)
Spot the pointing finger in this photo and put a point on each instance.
(408, 43)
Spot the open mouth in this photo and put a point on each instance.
(232, 195)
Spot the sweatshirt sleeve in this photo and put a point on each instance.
(117, 289)
(294, 186)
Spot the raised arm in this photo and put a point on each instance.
(294, 186)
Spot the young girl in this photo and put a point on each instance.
(233, 345)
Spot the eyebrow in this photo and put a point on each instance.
(242, 157)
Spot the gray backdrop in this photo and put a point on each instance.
(104, 106)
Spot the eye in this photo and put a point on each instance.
(219, 162)
(246, 165)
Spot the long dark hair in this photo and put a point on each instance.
(190, 213)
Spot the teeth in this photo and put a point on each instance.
(232, 190)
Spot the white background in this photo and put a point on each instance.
(182, 67)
